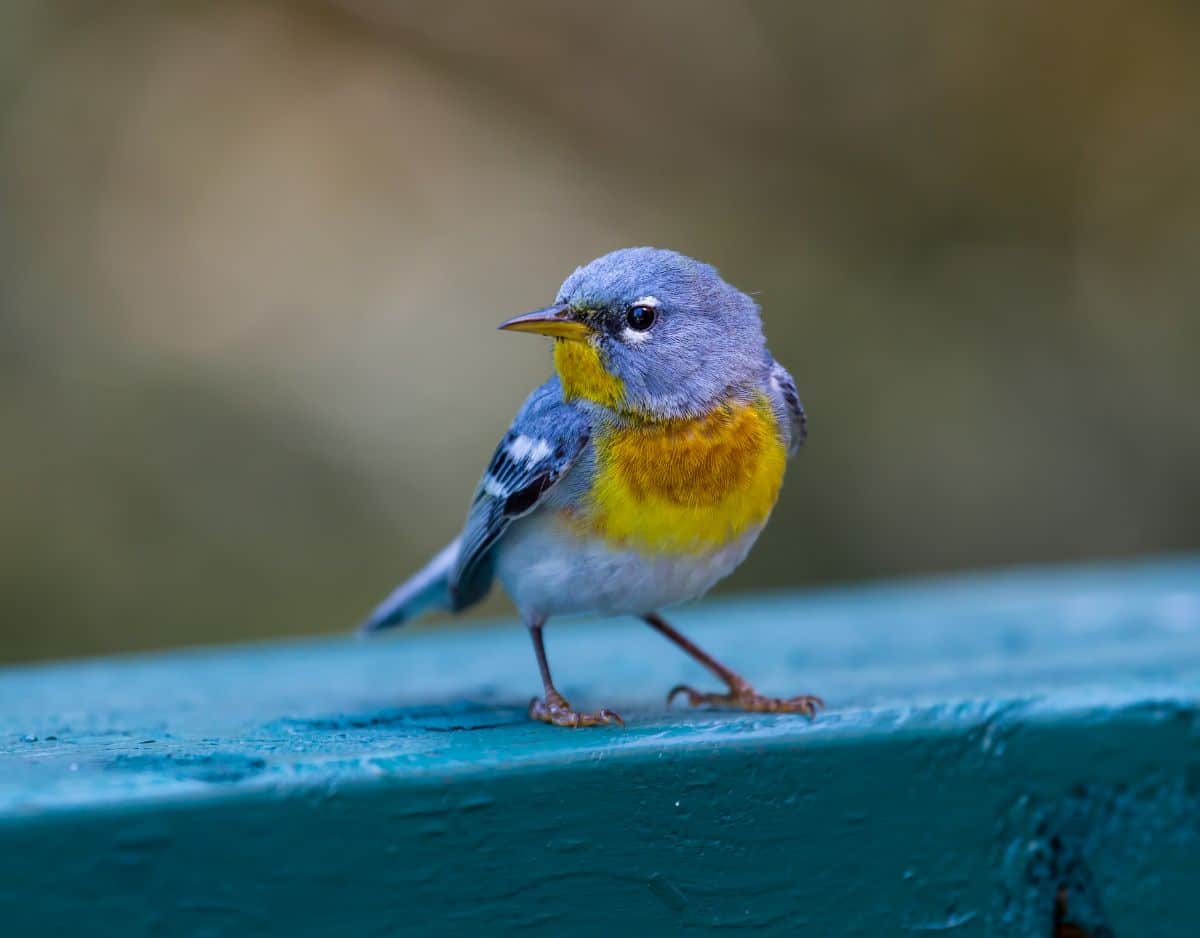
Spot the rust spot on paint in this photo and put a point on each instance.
(1062, 927)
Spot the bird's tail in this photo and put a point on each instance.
(424, 592)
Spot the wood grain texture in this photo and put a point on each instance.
(990, 742)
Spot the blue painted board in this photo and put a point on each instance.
(990, 741)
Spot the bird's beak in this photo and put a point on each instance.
(557, 321)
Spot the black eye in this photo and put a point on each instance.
(640, 318)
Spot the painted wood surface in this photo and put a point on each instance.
(991, 742)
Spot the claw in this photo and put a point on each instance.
(744, 697)
(555, 710)
(680, 689)
(808, 704)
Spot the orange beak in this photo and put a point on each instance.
(556, 321)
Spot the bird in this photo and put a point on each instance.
(636, 477)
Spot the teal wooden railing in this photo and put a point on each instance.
(999, 752)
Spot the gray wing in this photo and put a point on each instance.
(542, 444)
(791, 398)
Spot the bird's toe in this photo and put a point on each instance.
(555, 710)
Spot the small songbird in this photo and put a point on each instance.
(638, 476)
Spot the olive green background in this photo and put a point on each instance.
(251, 255)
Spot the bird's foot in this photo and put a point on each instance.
(554, 709)
(741, 696)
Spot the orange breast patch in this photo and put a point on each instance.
(687, 485)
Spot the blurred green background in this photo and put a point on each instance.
(252, 255)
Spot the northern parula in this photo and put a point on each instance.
(635, 478)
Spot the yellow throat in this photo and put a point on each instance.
(583, 374)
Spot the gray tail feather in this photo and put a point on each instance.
(424, 592)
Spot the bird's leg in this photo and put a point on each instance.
(740, 696)
(552, 707)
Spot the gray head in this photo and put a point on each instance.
(652, 331)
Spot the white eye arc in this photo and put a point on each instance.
(640, 316)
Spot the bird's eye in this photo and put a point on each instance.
(640, 318)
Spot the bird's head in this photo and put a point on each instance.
(650, 332)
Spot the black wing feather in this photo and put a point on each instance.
(545, 440)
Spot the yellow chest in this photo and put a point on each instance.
(685, 486)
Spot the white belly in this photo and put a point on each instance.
(549, 569)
